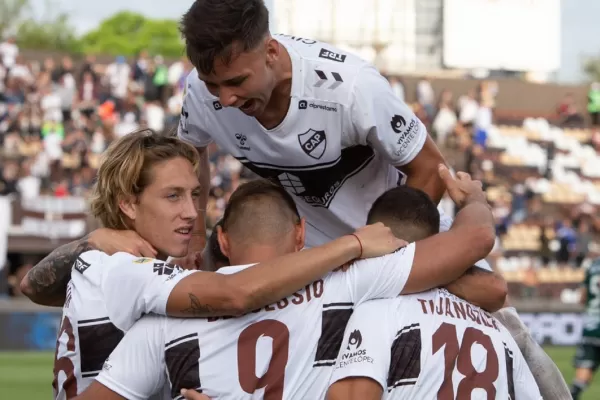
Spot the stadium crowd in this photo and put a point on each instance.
(56, 119)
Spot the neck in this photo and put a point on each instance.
(255, 254)
(280, 98)
(161, 256)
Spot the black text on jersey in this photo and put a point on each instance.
(330, 55)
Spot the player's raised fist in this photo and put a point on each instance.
(377, 240)
(461, 188)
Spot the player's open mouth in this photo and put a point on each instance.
(248, 106)
(186, 232)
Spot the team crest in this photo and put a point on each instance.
(142, 260)
(313, 143)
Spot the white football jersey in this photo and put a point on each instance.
(434, 345)
(283, 351)
(336, 149)
(105, 296)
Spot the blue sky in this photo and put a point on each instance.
(580, 27)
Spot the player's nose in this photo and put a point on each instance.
(189, 209)
(227, 97)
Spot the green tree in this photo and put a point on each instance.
(127, 33)
(591, 67)
(12, 12)
(51, 31)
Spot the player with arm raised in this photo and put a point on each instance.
(410, 347)
(323, 124)
(148, 183)
(302, 332)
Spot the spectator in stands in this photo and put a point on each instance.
(426, 97)
(594, 103)
(9, 52)
(582, 243)
(397, 86)
(445, 120)
(467, 108)
(567, 239)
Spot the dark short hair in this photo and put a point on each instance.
(259, 190)
(222, 28)
(409, 212)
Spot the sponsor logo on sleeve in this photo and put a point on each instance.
(407, 131)
(330, 55)
(354, 353)
(80, 265)
(217, 105)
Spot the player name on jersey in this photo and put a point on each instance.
(458, 309)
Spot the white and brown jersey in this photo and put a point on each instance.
(286, 350)
(105, 296)
(433, 345)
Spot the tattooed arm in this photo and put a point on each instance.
(46, 283)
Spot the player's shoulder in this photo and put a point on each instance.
(328, 72)
(195, 90)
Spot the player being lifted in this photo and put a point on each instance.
(147, 182)
(410, 347)
(295, 341)
(587, 358)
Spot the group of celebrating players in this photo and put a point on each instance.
(292, 296)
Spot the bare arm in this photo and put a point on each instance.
(98, 391)
(210, 294)
(359, 388)
(482, 288)
(444, 257)
(422, 171)
(46, 283)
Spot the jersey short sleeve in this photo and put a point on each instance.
(382, 120)
(134, 286)
(365, 351)
(192, 127)
(381, 277)
(135, 368)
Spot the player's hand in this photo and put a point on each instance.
(112, 241)
(377, 240)
(191, 394)
(462, 189)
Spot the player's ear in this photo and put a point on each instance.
(127, 205)
(223, 241)
(272, 48)
(300, 234)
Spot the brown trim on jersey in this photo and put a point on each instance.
(334, 319)
(405, 360)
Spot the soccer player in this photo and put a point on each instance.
(148, 183)
(431, 345)
(287, 349)
(587, 358)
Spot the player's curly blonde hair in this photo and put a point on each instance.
(125, 171)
